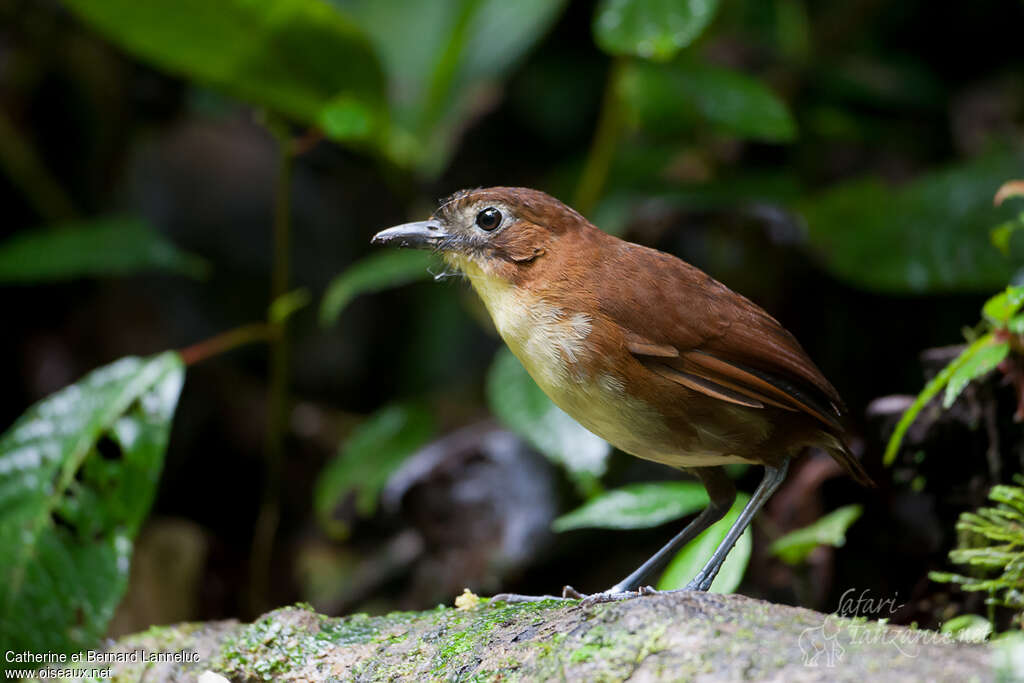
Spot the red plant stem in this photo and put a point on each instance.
(228, 341)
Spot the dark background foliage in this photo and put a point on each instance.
(860, 219)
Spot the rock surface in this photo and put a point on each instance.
(664, 637)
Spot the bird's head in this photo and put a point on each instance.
(497, 233)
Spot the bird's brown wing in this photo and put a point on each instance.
(712, 340)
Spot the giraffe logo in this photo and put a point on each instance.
(820, 644)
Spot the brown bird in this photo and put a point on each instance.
(641, 348)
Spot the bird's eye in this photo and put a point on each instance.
(488, 219)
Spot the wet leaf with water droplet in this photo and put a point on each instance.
(78, 472)
(652, 29)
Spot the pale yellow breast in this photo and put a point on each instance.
(552, 344)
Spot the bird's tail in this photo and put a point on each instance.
(845, 457)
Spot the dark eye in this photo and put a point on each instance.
(488, 219)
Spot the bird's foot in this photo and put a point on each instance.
(518, 598)
(701, 583)
(613, 594)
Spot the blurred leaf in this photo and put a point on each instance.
(652, 29)
(1003, 233)
(299, 58)
(444, 61)
(524, 408)
(930, 391)
(929, 235)
(637, 506)
(794, 547)
(979, 363)
(1003, 306)
(366, 460)
(286, 305)
(968, 628)
(78, 472)
(694, 556)
(668, 98)
(380, 270)
(98, 247)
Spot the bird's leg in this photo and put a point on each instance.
(773, 476)
(721, 494)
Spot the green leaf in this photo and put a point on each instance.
(999, 309)
(979, 363)
(520, 404)
(652, 29)
(99, 247)
(669, 98)
(1002, 235)
(444, 60)
(78, 472)
(286, 305)
(299, 58)
(637, 506)
(367, 459)
(930, 235)
(691, 559)
(380, 270)
(968, 628)
(794, 547)
(930, 391)
(971, 628)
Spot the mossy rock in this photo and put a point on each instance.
(672, 637)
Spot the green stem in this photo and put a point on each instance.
(227, 341)
(26, 171)
(277, 393)
(606, 138)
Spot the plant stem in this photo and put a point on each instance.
(25, 170)
(277, 392)
(227, 341)
(602, 147)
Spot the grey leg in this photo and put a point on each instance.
(773, 476)
(721, 494)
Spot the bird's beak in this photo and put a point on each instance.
(418, 235)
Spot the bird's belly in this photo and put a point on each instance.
(599, 401)
(554, 346)
(601, 405)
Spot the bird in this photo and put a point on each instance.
(646, 351)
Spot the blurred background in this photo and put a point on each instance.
(171, 168)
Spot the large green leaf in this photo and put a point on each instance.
(1001, 308)
(928, 235)
(795, 546)
(521, 405)
(444, 61)
(99, 247)
(981, 362)
(377, 271)
(652, 29)
(930, 391)
(367, 458)
(691, 559)
(78, 472)
(670, 98)
(300, 58)
(637, 506)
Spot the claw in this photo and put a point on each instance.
(570, 592)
